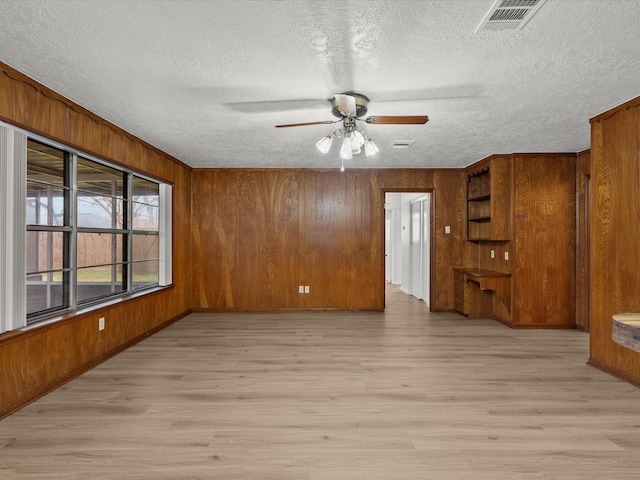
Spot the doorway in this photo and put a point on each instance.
(408, 251)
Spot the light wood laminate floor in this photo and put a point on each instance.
(402, 395)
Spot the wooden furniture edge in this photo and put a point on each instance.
(625, 330)
(495, 281)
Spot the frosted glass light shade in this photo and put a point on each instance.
(357, 140)
(324, 144)
(345, 150)
(370, 148)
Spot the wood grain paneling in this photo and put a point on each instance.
(449, 197)
(214, 238)
(533, 209)
(614, 253)
(544, 240)
(259, 234)
(43, 356)
(266, 272)
(583, 178)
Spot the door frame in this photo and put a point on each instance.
(432, 242)
(392, 244)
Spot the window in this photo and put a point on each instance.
(93, 230)
(48, 228)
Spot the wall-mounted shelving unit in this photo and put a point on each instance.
(479, 205)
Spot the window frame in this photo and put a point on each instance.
(70, 283)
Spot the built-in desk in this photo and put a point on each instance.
(473, 288)
(626, 330)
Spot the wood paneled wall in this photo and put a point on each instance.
(536, 195)
(614, 243)
(544, 238)
(36, 360)
(259, 234)
(583, 179)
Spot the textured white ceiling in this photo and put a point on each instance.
(206, 81)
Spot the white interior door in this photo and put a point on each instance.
(388, 250)
(420, 248)
(416, 250)
(426, 249)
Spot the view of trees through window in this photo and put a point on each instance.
(92, 230)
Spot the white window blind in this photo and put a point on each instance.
(13, 262)
(166, 235)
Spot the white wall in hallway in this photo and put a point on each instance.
(400, 203)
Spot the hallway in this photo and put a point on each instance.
(404, 394)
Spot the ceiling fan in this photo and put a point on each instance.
(349, 107)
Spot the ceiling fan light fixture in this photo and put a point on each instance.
(370, 148)
(357, 140)
(346, 150)
(349, 108)
(324, 144)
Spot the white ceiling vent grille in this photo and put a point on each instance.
(510, 14)
(402, 143)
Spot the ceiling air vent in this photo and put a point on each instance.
(510, 14)
(402, 143)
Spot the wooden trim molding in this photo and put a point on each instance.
(634, 102)
(616, 372)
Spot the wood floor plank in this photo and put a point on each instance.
(405, 394)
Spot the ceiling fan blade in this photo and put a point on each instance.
(398, 120)
(346, 104)
(305, 124)
(469, 90)
(277, 105)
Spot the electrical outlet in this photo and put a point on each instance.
(300, 288)
(447, 229)
(506, 255)
(101, 323)
(493, 254)
(306, 289)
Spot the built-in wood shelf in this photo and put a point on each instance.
(626, 330)
(469, 282)
(488, 201)
(479, 205)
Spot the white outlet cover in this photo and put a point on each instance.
(506, 255)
